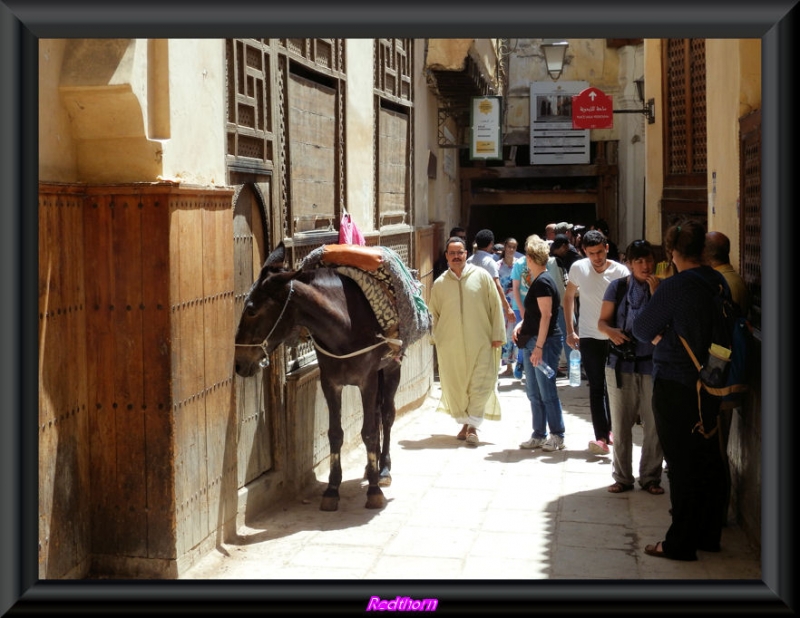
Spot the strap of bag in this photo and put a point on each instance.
(698, 427)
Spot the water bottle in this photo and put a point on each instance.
(575, 368)
(546, 369)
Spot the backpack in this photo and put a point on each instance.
(723, 372)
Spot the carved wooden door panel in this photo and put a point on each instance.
(252, 418)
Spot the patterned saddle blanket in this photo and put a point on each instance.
(391, 289)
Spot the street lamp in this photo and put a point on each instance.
(648, 108)
(555, 52)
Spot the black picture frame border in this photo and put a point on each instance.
(23, 23)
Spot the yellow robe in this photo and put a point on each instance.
(467, 317)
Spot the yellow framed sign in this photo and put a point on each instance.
(486, 138)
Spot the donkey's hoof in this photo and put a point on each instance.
(329, 503)
(385, 479)
(375, 499)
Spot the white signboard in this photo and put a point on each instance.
(553, 140)
(486, 141)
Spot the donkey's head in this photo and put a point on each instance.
(267, 318)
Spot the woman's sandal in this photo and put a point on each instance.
(618, 488)
(654, 489)
(656, 550)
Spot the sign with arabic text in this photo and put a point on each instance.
(592, 109)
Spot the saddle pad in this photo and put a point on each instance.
(365, 258)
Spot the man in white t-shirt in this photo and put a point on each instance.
(591, 275)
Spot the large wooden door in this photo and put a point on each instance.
(253, 421)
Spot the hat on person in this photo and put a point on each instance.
(563, 227)
(498, 247)
(559, 241)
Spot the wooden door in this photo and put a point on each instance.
(253, 421)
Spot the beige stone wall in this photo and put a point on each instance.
(57, 160)
(654, 142)
(106, 103)
(733, 90)
(360, 130)
(587, 60)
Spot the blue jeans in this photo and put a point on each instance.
(542, 391)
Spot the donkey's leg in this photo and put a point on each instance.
(389, 382)
(333, 397)
(370, 434)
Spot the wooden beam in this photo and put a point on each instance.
(508, 198)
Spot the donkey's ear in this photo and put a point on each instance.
(277, 259)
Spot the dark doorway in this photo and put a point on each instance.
(520, 221)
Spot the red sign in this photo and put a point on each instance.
(592, 109)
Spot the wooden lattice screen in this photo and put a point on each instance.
(249, 121)
(685, 71)
(750, 210)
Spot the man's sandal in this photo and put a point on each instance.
(653, 488)
(618, 488)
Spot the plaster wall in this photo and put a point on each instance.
(654, 142)
(360, 126)
(106, 103)
(57, 161)
(587, 60)
(733, 90)
(194, 153)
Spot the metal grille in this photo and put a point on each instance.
(750, 196)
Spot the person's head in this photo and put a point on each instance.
(717, 249)
(595, 247)
(560, 245)
(601, 225)
(563, 227)
(641, 259)
(686, 242)
(484, 239)
(456, 253)
(458, 231)
(550, 231)
(509, 247)
(498, 249)
(537, 250)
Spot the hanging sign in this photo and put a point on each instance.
(486, 142)
(592, 109)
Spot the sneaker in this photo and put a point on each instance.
(518, 371)
(472, 436)
(598, 447)
(533, 443)
(554, 443)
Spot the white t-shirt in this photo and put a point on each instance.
(592, 286)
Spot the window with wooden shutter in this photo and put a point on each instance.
(393, 89)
